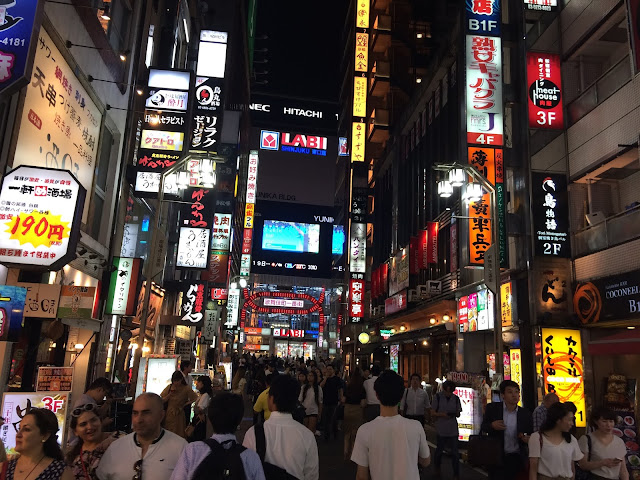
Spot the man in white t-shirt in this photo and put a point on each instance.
(372, 410)
(390, 446)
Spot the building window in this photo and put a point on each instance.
(101, 176)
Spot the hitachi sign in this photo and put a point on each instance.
(300, 112)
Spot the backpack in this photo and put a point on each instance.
(271, 471)
(222, 463)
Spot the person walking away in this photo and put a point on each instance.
(601, 445)
(311, 399)
(208, 459)
(553, 450)
(285, 446)
(446, 409)
(354, 399)
(186, 367)
(150, 453)
(540, 412)
(199, 422)
(40, 455)
(415, 401)
(85, 456)
(177, 395)
(239, 382)
(332, 393)
(372, 410)
(261, 408)
(390, 446)
(512, 425)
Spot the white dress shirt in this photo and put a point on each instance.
(158, 463)
(371, 393)
(417, 401)
(290, 445)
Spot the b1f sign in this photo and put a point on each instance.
(483, 17)
(545, 96)
(484, 90)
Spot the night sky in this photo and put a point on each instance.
(305, 47)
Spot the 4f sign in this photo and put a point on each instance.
(269, 140)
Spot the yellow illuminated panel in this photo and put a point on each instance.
(360, 97)
(562, 369)
(505, 302)
(357, 142)
(248, 215)
(362, 14)
(362, 52)
(516, 368)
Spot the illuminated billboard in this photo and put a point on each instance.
(290, 236)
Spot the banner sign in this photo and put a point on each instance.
(544, 78)
(551, 214)
(121, 299)
(54, 379)
(399, 271)
(155, 305)
(358, 248)
(484, 90)
(356, 300)
(40, 210)
(476, 311)
(609, 298)
(12, 300)
(395, 303)
(432, 242)
(76, 302)
(194, 299)
(414, 254)
(562, 368)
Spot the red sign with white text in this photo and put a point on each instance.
(414, 254)
(544, 82)
(356, 299)
(423, 261)
(432, 242)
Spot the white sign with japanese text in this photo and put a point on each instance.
(233, 305)
(193, 247)
(358, 248)
(221, 232)
(60, 125)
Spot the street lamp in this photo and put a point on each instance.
(458, 176)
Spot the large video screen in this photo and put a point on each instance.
(338, 239)
(294, 237)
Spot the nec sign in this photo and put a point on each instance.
(293, 143)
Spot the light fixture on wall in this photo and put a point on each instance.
(402, 328)
(457, 177)
(433, 321)
(445, 189)
(473, 192)
(446, 317)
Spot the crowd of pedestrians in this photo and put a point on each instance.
(382, 422)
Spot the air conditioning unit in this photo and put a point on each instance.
(413, 296)
(423, 291)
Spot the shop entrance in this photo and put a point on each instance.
(415, 363)
(295, 349)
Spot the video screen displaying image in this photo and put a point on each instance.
(290, 236)
(337, 243)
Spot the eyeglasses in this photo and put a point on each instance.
(137, 467)
(87, 407)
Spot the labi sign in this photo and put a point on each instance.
(608, 299)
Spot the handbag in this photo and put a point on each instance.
(484, 451)
(584, 474)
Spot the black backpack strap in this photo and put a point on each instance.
(261, 441)
(208, 461)
(588, 447)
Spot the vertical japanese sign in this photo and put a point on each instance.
(60, 127)
(193, 247)
(40, 210)
(484, 90)
(358, 136)
(356, 300)
(551, 215)
(358, 248)
(233, 306)
(562, 368)
(19, 27)
(360, 96)
(220, 243)
(432, 242)
(489, 163)
(12, 300)
(121, 299)
(506, 308)
(249, 210)
(194, 299)
(545, 96)
(362, 52)
(483, 17)
(516, 368)
(423, 257)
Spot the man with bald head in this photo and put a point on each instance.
(150, 453)
(540, 413)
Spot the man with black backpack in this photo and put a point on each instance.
(287, 448)
(221, 456)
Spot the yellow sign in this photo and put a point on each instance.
(516, 368)
(364, 338)
(248, 215)
(362, 14)
(358, 136)
(505, 301)
(360, 96)
(362, 52)
(38, 229)
(562, 368)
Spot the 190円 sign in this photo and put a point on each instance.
(40, 210)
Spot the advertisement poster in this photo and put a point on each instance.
(12, 301)
(470, 404)
(60, 127)
(54, 379)
(17, 405)
(562, 368)
(393, 357)
(626, 428)
(545, 96)
(159, 371)
(76, 302)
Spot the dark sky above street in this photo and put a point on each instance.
(305, 47)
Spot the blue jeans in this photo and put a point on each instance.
(452, 442)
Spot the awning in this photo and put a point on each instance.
(625, 343)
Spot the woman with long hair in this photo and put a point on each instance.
(602, 444)
(354, 399)
(84, 457)
(553, 450)
(302, 377)
(199, 422)
(239, 381)
(176, 396)
(40, 455)
(311, 398)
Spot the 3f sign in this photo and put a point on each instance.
(546, 118)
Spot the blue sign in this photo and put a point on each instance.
(19, 27)
(11, 312)
(483, 17)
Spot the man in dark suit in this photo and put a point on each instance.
(512, 425)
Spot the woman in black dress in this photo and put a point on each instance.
(40, 455)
